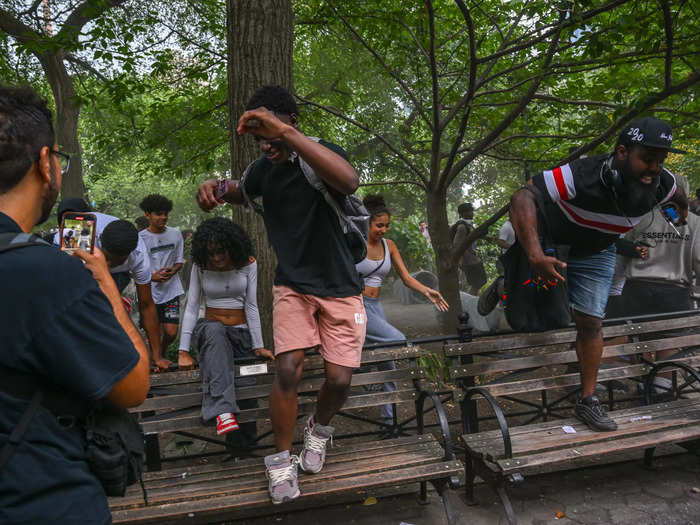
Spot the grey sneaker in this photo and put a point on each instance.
(315, 439)
(282, 473)
(592, 414)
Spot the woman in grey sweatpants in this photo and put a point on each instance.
(224, 275)
(381, 255)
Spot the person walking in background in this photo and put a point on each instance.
(382, 254)
(470, 263)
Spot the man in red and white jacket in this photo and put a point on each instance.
(589, 203)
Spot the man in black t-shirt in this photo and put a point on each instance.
(62, 323)
(589, 203)
(317, 301)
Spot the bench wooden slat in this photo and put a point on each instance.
(664, 416)
(312, 362)
(254, 479)
(635, 442)
(226, 507)
(191, 418)
(547, 426)
(343, 449)
(512, 342)
(176, 401)
(561, 381)
(557, 358)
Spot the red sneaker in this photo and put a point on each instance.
(226, 423)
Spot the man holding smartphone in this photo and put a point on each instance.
(127, 258)
(317, 302)
(47, 294)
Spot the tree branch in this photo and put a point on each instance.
(507, 121)
(554, 30)
(392, 182)
(87, 11)
(437, 130)
(352, 121)
(16, 29)
(668, 30)
(632, 112)
(409, 92)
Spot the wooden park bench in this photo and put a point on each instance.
(218, 491)
(527, 369)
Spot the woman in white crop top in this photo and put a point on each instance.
(224, 275)
(381, 255)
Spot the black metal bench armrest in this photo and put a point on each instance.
(442, 416)
(500, 417)
(649, 389)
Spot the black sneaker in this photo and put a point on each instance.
(488, 300)
(592, 414)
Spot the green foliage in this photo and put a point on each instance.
(415, 250)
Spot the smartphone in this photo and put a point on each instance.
(671, 214)
(78, 231)
(221, 189)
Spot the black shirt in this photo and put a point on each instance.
(583, 212)
(55, 323)
(312, 254)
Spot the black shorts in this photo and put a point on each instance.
(648, 297)
(169, 312)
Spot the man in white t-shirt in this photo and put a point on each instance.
(165, 250)
(127, 258)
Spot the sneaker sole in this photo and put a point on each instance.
(286, 498)
(227, 430)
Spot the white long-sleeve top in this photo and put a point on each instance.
(232, 289)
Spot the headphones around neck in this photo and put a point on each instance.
(610, 178)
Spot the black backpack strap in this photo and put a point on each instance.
(542, 215)
(18, 432)
(13, 240)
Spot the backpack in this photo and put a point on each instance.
(531, 304)
(352, 214)
(453, 228)
(114, 441)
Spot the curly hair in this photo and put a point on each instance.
(156, 202)
(219, 234)
(26, 126)
(274, 98)
(375, 205)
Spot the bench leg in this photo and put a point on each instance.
(153, 453)
(507, 506)
(443, 488)
(423, 495)
(469, 476)
(649, 457)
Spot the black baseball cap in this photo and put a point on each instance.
(649, 132)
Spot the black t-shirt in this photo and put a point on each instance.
(582, 212)
(312, 254)
(55, 323)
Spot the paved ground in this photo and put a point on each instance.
(621, 493)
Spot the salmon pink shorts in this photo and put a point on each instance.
(337, 325)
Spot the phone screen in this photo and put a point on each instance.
(671, 213)
(78, 231)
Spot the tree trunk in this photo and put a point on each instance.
(447, 271)
(260, 40)
(67, 113)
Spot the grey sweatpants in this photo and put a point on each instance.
(219, 346)
(380, 331)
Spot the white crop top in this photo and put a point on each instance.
(373, 272)
(233, 289)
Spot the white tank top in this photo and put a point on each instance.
(373, 272)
